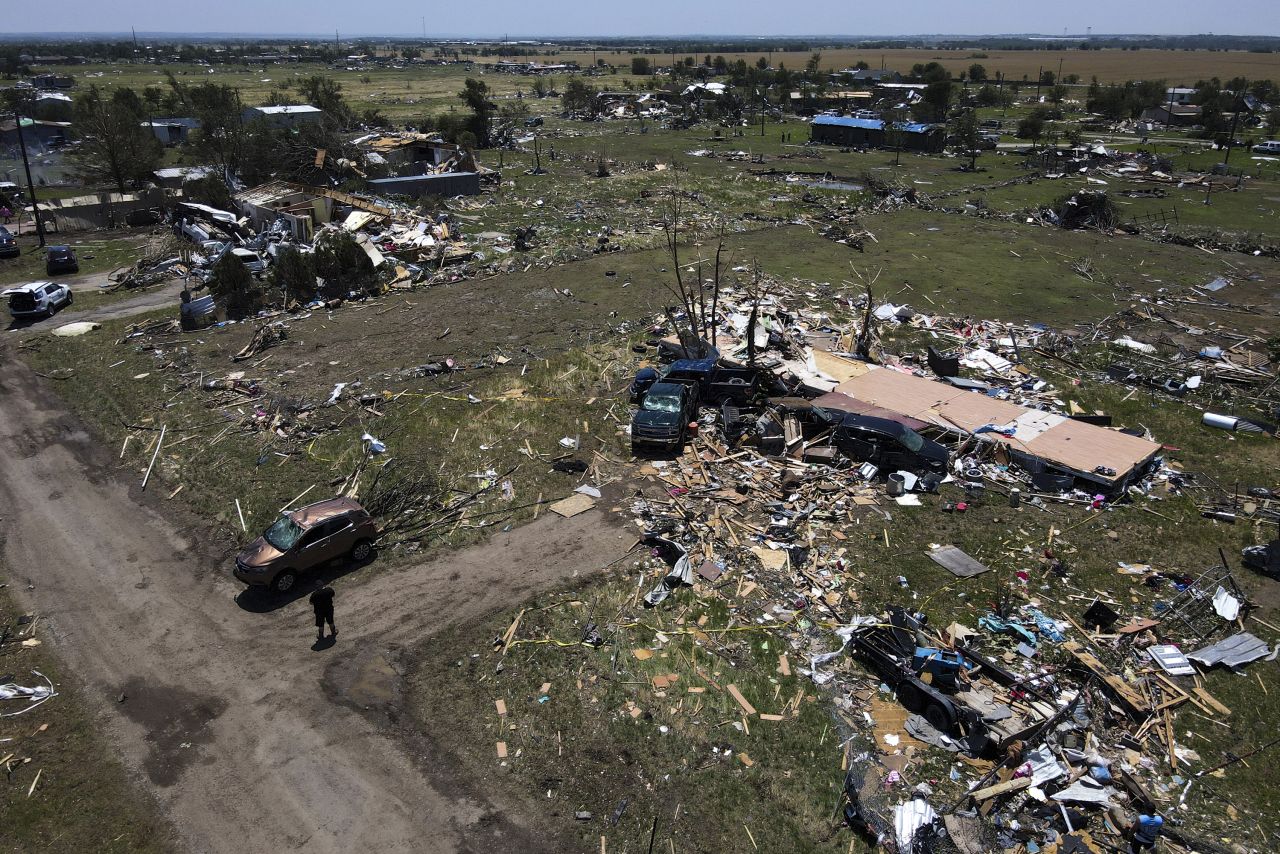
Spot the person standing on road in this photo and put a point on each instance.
(322, 604)
(6, 213)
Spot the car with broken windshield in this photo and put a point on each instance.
(664, 415)
(304, 539)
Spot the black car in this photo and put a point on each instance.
(887, 444)
(8, 245)
(664, 415)
(61, 259)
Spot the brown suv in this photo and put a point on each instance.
(305, 538)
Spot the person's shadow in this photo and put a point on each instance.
(324, 643)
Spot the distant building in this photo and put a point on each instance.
(1178, 95)
(51, 106)
(1178, 115)
(52, 81)
(869, 133)
(38, 135)
(876, 75)
(172, 131)
(284, 116)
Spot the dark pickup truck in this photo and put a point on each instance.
(716, 383)
(664, 415)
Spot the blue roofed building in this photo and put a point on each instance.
(869, 133)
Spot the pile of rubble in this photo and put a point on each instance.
(1054, 716)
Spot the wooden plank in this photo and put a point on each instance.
(1210, 700)
(1017, 784)
(1131, 698)
(500, 705)
(742, 701)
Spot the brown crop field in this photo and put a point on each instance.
(1176, 66)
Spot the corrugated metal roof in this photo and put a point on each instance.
(869, 124)
(287, 109)
(849, 122)
(1235, 651)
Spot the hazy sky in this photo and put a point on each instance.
(643, 17)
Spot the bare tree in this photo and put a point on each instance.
(701, 315)
(867, 343)
(756, 292)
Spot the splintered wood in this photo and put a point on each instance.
(742, 701)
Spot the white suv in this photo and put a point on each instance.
(37, 298)
(1269, 147)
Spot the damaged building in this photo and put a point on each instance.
(870, 133)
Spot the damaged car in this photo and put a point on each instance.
(304, 539)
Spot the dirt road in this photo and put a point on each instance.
(150, 299)
(250, 739)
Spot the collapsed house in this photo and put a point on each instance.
(419, 164)
(300, 209)
(1058, 707)
(1035, 440)
(1051, 451)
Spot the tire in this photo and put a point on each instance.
(361, 550)
(938, 717)
(70, 298)
(910, 696)
(285, 581)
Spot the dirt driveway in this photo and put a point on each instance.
(160, 296)
(250, 739)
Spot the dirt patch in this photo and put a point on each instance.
(177, 722)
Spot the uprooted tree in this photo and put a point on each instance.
(416, 505)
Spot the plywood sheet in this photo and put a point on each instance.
(956, 562)
(573, 505)
(838, 367)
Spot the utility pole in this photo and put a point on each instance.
(1235, 118)
(31, 186)
(1039, 80)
